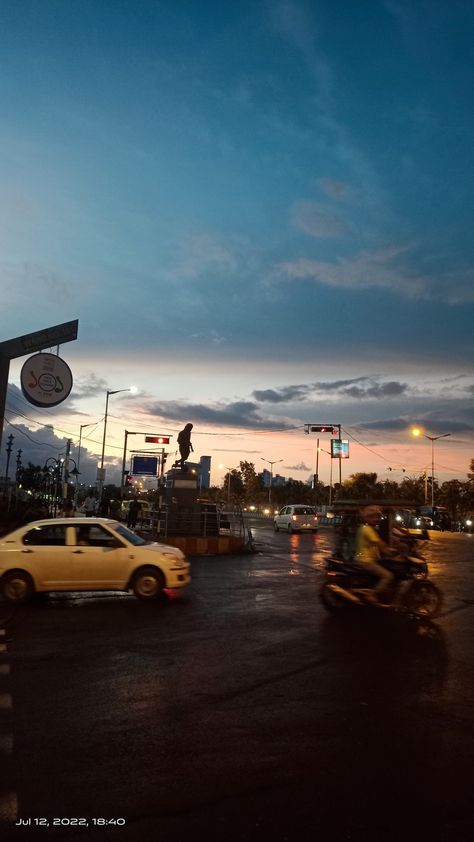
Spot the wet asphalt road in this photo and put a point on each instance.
(242, 710)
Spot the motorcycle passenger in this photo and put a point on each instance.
(370, 549)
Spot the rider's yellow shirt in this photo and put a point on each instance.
(367, 544)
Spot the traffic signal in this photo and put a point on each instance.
(157, 439)
(323, 429)
(129, 480)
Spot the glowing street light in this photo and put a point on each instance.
(417, 431)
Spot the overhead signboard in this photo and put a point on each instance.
(46, 380)
(144, 466)
(339, 449)
(40, 339)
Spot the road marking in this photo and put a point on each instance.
(8, 807)
(5, 701)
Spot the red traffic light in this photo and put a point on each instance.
(322, 429)
(157, 439)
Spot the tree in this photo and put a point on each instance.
(361, 486)
(32, 478)
(252, 482)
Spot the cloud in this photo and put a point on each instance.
(283, 395)
(317, 220)
(371, 390)
(335, 189)
(89, 386)
(435, 425)
(383, 390)
(243, 414)
(362, 271)
(301, 466)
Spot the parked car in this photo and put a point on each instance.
(86, 554)
(296, 518)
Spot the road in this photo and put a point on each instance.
(241, 710)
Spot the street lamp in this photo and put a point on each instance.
(101, 472)
(321, 450)
(271, 476)
(229, 472)
(417, 432)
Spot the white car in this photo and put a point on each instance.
(86, 554)
(296, 518)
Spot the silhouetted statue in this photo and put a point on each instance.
(185, 446)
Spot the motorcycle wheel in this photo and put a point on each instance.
(333, 601)
(423, 599)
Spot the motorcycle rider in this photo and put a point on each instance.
(369, 549)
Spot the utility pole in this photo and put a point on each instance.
(18, 464)
(8, 448)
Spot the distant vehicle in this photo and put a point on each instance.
(296, 518)
(86, 554)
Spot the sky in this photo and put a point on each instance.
(261, 214)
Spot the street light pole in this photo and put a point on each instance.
(101, 475)
(321, 450)
(432, 440)
(271, 476)
(416, 431)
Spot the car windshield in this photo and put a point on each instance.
(304, 510)
(129, 535)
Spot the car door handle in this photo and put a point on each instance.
(76, 552)
(27, 551)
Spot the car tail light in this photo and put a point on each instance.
(293, 517)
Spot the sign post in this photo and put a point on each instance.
(20, 346)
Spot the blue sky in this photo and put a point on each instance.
(246, 205)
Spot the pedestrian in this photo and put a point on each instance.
(133, 510)
(104, 506)
(89, 505)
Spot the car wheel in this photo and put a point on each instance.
(16, 587)
(275, 527)
(148, 583)
(290, 528)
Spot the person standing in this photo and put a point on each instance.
(89, 505)
(133, 510)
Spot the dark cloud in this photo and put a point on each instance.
(300, 467)
(347, 388)
(283, 395)
(90, 386)
(434, 426)
(244, 414)
(391, 389)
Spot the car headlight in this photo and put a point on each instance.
(177, 560)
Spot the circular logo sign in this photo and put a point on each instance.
(46, 380)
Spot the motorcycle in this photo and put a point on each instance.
(411, 591)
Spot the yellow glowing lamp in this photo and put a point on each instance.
(416, 431)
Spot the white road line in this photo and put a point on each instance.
(5, 701)
(8, 807)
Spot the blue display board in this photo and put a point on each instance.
(144, 466)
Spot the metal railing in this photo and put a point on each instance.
(160, 524)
